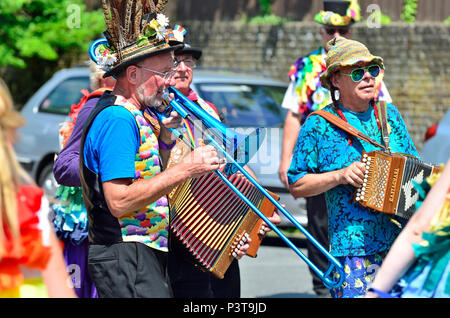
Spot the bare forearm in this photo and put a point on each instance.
(314, 184)
(394, 267)
(123, 195)
(290, 134)
(55, 275)
(135, 195)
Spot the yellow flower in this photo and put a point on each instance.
(154, 24)
(336, 19)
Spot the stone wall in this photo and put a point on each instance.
(417, 58)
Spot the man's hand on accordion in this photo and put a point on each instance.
(275, 219)
(241, 248)
(202, 160)
(353, 174)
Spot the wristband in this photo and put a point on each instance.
(380, 293)
(164, 146)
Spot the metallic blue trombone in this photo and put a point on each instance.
(233, 150)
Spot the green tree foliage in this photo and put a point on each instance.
(265, 6)
(39, 37)
(409, 11)
(45, 29)
(266, 16)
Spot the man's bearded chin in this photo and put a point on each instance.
(148, 100)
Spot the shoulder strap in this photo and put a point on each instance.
(381, 106)
(346, 127)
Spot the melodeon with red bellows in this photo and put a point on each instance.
(389, 182)
(209, 220)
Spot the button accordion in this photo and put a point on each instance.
(208, 220)
(389, 182)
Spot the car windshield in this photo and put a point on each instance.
(246, 105)
(64, 95)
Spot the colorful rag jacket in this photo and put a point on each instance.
(69, 216)
(429, 276)
(305, 74)
(31, 252)
(150, 224)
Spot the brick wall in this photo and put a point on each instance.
(417, 58)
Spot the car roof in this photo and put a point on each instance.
(206, 75)
(202, 75)
(75, 71)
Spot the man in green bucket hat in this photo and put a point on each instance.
(327, 160)
(306, 94)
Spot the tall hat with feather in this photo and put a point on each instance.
(338, 13)
(135, 30)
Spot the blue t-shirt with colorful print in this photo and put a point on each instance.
(322, 147)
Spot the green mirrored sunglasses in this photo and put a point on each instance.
(358, 73)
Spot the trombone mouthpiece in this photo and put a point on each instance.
(166, 96)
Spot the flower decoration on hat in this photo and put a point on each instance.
(339, 13)
(178, 33)
(105, 59)
(135, 29)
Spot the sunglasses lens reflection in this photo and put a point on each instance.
(358, 74)
(374, 70)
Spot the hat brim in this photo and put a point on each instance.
(120, 67)
(325, 77)
(337, 26)
(194, 51)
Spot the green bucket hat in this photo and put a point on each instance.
(344, 52)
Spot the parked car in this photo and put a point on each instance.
(247, 100)
(436, 146)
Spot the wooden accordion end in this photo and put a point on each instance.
(388, 183)
(209, 220)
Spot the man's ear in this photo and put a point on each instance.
(131, 73)
(335, 79)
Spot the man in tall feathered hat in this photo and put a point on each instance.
(306, 94)
(123, 152)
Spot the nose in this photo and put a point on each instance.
(181, 67)
(367, 76)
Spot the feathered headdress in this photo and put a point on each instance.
(135, 29)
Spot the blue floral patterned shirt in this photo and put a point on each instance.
(322, 147)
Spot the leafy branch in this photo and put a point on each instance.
(42, 29)
(409, 11)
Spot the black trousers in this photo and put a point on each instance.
(317, 212)
(188, 281)
(129, 270)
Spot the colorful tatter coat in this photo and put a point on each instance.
(150, 224)
(305, 73)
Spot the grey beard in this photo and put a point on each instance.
(148, 101)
